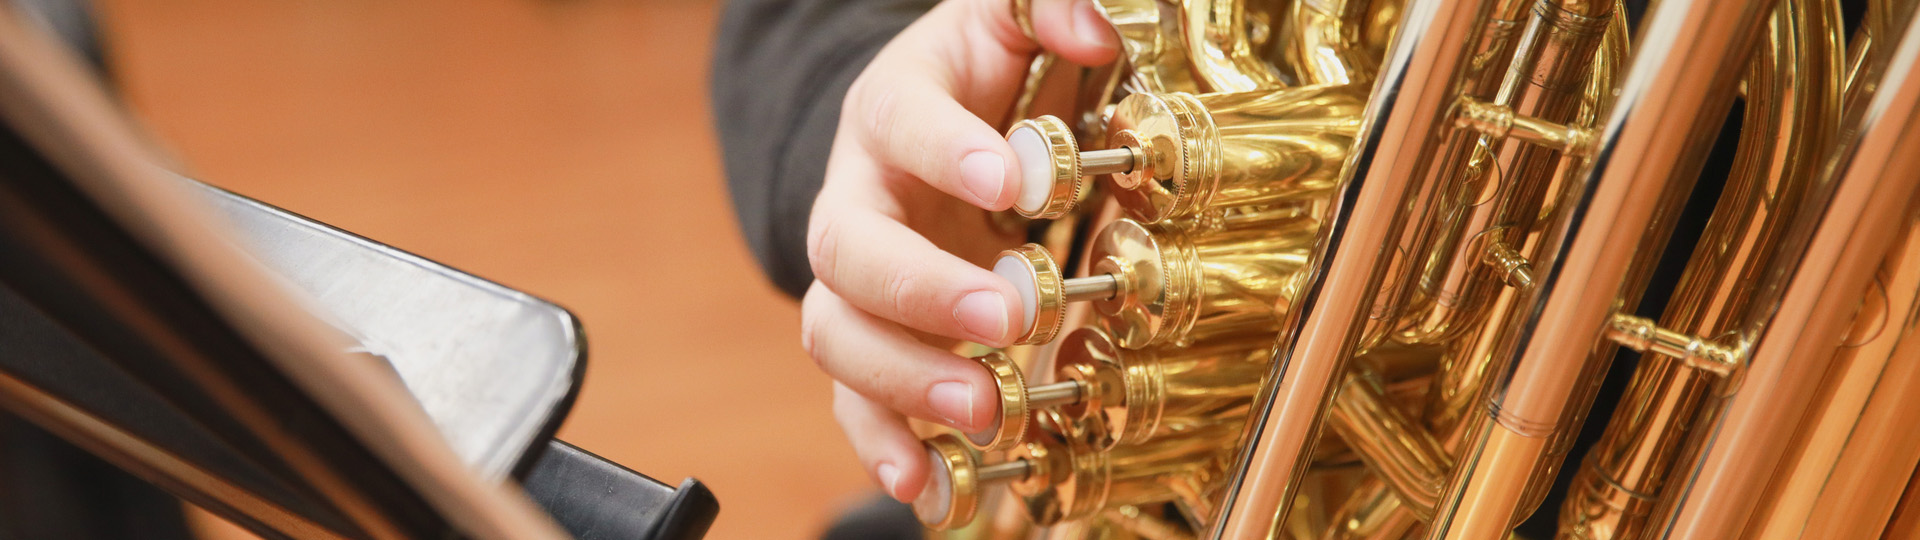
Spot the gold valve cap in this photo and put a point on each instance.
(1069, 479)
(952, 493)
(1037, 278)
(1158, 305)
(1049, 167)
(1090, 357)
(1010, 426)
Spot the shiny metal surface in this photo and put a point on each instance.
(1448, 297)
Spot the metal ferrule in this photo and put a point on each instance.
(1185, 286)
(1087, 481)
(1134, 396)
(1229, 150)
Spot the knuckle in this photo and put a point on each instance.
(901, 292)
(823, 245)
(813, 325)
(881, 114)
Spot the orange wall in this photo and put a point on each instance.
(559, 147)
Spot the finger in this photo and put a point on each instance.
(911, 123)
(879, 360)
(887, 448)
(886, 269)
(1075, 30)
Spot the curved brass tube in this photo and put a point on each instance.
(1743, 440)
(1410, 102)
(1593, 255)
(1793, 104)
(1151, 45)
(1216, 36)
(1326, 42)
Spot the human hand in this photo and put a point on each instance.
(899, 233)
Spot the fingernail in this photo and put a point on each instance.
(953, 401)
(1088, 25)
(984, 314)
(889, 475)
(985, 174)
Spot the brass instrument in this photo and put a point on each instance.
(1358, 269)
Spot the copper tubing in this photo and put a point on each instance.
(1668, 111)
(1843, 481)
(1410, 102)
(1906, 515)
(1793, 103)
(1743, 441)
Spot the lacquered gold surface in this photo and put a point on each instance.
(1136, 395)
(955, 470)
(1191, 284)
(1009, 426)
(1226, 150)
(1049, 304)
(1442, 265)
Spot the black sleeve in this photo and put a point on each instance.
(780, 69)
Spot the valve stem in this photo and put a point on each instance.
(1015, 469)
(1081, 289)
(1049, 395)
(1104, 162)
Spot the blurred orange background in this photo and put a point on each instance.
(563, 148)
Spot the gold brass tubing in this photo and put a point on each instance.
(1078, 482)
(1146, 526)
(1792, 106)
(1843, 481)
(1395, 449)
(1643, 335)
(1217, 151)
(1372, 512)
(1324, 42)
(1502, 123)
(1151, 46)
(1180, 285)
(1742, 441)
(1387, 167)
(1593, 255)
(1493, 191)
(1216, 39)
(1133, 396)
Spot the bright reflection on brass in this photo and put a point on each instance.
(1355, 269)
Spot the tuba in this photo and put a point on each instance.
(1460, 269)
